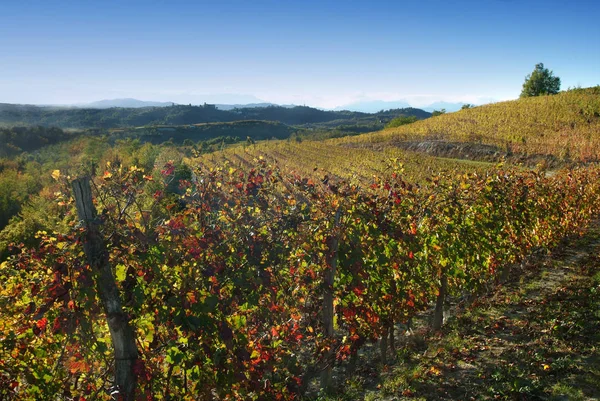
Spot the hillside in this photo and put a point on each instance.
(563, 127)
(553, 129)
(11, 114)
(236, 130)
(319, 160)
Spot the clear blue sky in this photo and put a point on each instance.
(321, 53)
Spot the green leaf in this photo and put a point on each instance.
(121, 272)
(174, 356)
(238, 321)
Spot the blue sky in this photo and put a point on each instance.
(319, 53)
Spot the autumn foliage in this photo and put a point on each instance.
(222, 275)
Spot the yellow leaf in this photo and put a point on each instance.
(435, 371)
(56, 174)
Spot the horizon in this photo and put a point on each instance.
(321, 54)
(371, 107)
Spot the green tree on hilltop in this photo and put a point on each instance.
(540, 82)
(401, 120)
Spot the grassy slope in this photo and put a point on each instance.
(566, 125)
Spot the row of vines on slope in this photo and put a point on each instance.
(564, 125)
(226, 278)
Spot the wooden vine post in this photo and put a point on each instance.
(438, 314)
(328, 308)
(122, 335)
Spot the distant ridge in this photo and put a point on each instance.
(251, 106)
(114, 116)
(367, 106)
(131, 103)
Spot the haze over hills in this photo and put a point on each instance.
(373, 106)
(126, 103)
(366, 106)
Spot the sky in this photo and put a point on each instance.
(319, 53)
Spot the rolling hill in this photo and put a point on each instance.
(12, 114)
(556, 130)
(563, 127)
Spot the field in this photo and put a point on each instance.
(292, 269)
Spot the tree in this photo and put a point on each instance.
(402, 120)
(436, 113)
(540, 82)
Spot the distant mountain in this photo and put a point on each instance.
(373, 106)
(450, 107)
(126, 103)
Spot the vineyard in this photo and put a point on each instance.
(317, 159)
(566, 126)
(252, 281)
(259, 271)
